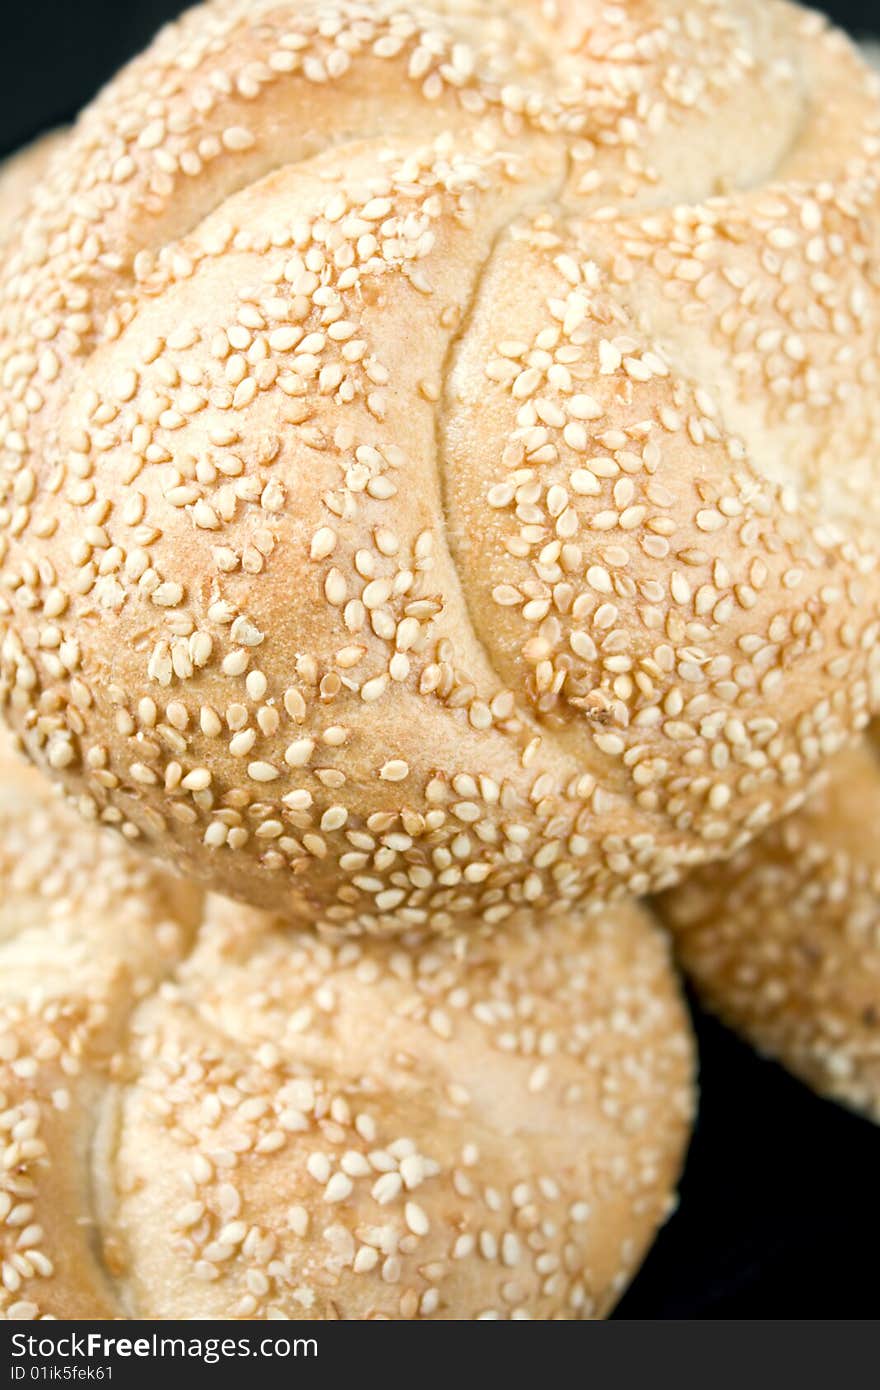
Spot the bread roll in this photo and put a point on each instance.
(438, 446)
(784, 940)
(207, 1115)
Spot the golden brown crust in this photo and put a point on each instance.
(413, 507)
(208, 1115)
(784, 940)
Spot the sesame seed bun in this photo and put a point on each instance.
(438, 447)
(784, 940)
(209, 1115)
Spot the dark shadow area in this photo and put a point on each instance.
(778, 1215)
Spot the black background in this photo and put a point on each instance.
(779, 1213)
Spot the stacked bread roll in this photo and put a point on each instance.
(783, 940)
(437, 489)
(210, 1113)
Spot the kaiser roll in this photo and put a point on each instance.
(784, 940)
(206, 1114)
(438, 446)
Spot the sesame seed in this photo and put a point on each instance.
(395, 770)
(262, 772)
